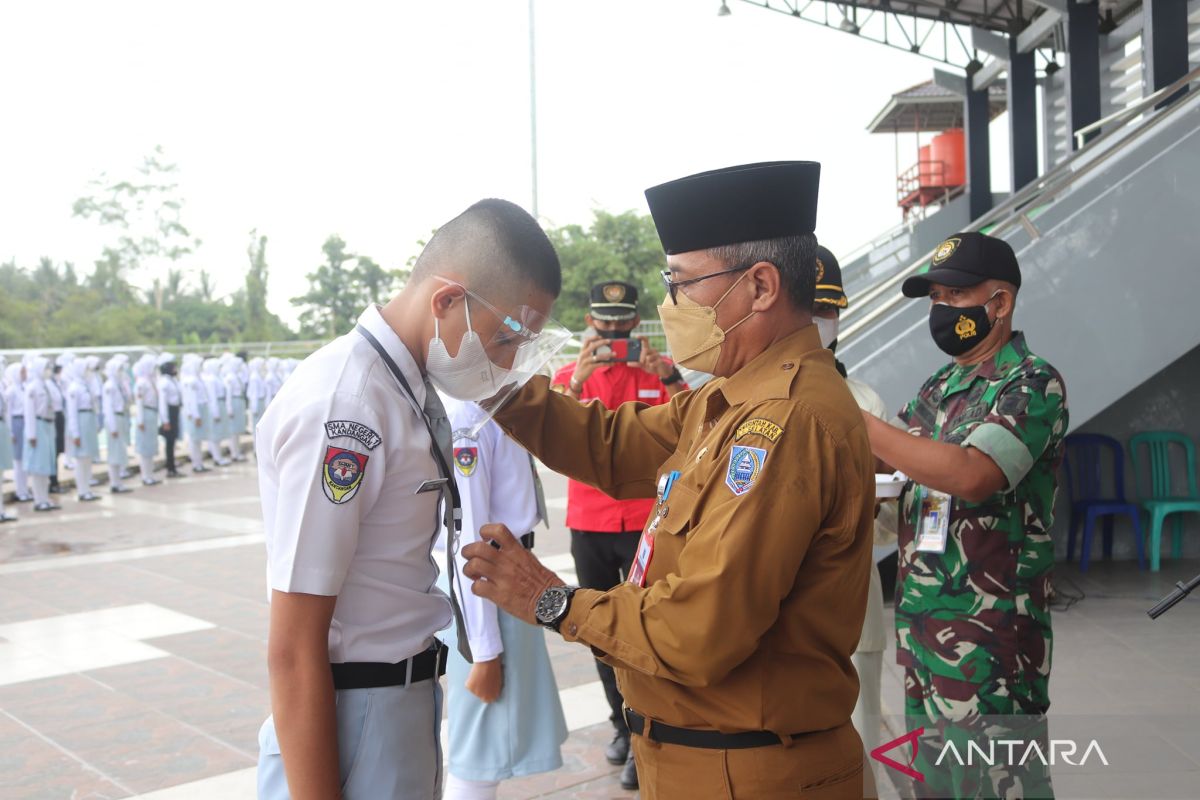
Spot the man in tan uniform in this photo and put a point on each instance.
(732, 638)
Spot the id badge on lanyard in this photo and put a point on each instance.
(645, 550)
(933, 527)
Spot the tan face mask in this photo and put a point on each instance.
(693, 335)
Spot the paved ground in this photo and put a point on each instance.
(132, 659)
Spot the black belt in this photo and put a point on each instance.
(118, 413)
(375, 674)
(686, 737)
(527, 541)
(46, 419)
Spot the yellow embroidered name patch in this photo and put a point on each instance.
(759, 427)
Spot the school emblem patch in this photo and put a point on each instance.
(745, 466)
(466, 459)
(342, 472)
(820, 270)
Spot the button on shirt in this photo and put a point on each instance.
(590, 509)
(340, 460)
(755, 593)
(495, 479)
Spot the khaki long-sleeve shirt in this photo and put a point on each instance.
(756, 589)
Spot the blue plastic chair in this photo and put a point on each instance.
(1162, 499)
(1084, 463)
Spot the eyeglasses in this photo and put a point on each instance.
(673, 286)
(516, 327)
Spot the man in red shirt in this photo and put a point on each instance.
(604, 531)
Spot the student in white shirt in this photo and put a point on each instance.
(352, 470)
(6, 440)
(256, 391)
(39, 453)
(115, 425)
(505, 716)
(170, 401)
(145, 414)
(195, 410)
(14, 390)
(82, 427)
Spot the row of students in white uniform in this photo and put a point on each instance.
(114, 404)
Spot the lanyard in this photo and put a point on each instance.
(453, 521)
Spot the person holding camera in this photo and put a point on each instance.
(613, 367)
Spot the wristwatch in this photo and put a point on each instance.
(675, 376)
(553, 605)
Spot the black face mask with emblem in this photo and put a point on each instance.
(958, 330)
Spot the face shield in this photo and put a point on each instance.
(523, 345)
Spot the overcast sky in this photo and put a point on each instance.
(378, 121)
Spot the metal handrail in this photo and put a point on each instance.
(1131, 111)
(1005, 215)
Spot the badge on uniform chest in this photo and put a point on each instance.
(933, 528)
(645, 550)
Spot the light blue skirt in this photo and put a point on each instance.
(117, 450)
(523, 731)
(18, 438)
(205, 432)
(222, 429)
(146, 441)
(239, 416)
(39, 459)
(6, 447)
(89, 439)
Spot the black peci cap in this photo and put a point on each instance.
(966, 259)
(738, 204)
(614, 301)
(829, 280)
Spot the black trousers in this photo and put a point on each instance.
(60, 445)
(602, 561)
(170, 433)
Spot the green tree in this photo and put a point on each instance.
(255, 296)
(339, 289)
(144, 210)
(621, 247)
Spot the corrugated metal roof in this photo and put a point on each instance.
(928, 107)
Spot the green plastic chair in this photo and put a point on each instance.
(1161, 500)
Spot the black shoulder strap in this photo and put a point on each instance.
(438, 457)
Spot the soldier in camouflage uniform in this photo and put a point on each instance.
(972, 611)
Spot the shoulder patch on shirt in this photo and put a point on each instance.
(745, 467)
(338, 428)
(759, 427)
(1013, 405)
(342, 474)
(466, 459)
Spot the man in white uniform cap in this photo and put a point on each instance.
(353, 460)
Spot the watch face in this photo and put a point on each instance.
(550, 604)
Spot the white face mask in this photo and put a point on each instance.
(470, 375)
(828, 328)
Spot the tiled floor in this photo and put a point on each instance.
(132, 659)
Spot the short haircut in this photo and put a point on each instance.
(495, 245)
(794, 256)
